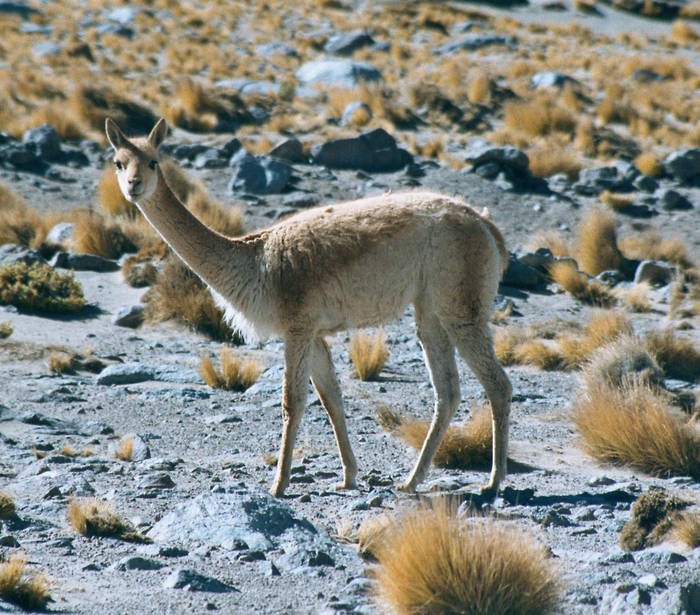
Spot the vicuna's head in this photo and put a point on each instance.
(136, 160)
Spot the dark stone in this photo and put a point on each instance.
(125, 373)
(45, 141)
(138, 563)
(189, 151)
(594, 180)
(345, 43)
(15, 253)
(519, 275)
(290, 150)
(475, 41)
(185, 578)
(129, 316)
(656, 273)
(83, 262)
(684, 164)
(211, 158)
(480, 152)
(259, 174)
(551, 79)
(374, 151)
(671, 199)
(345, 73)
(18, 8)
(646, 183)
(22, 157)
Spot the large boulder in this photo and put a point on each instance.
(373, 151)
(259, 174)
(683, 164)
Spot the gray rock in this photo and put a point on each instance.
(594, 180)
(475, 41)
(60, 233)
(159, 480)
(258, 174)
(226, 519)
(56, 426)
(345, 43)
(249, 86)
(129, 316)
(671, 199)
(271, 49)
(211, 158)
(678, 600)
(14, 253)
(189, 151)
(116, 29)
(18, 8)
(299, 200)
(645, 183)
(137, 563)
(185, 578)
(520, 275)
(551, 79)
(83, 262)
(45, 140)
(22, 157)
(683, 164)
(646, 76)
(611, 277)
(554, 519)
(351, 109)
(125, 373)
(374, 151)
(124, 15)
(44, 49)
(660, 556)
(290, 150)
(657, 273)
(480, 152)
(343, 73)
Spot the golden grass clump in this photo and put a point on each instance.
(372, 534)
(505, 341)
(685, 528)
(649, 165)
(180, 294)
(678, 357)
(124, 451)
(540, 116)
(545, 162)
(596, 242)
(635, 298)
(92, 517)
(466, 446)
(6, 329)
(602, 327)
(28, 591)
(541, 353)
(551, 240)
(96, 234)
(22, 224)
(651, 245)
(579, 285)
(62, 362)
(615, 201)
(39, 288)
(368, 354)
(236, 374)
(435, 562)
(651, 520)
(683, 33)
(7, 506)
(634, 426)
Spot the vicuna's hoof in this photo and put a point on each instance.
(346, 486)
(408, 487)
(489, 491)
(277, 490)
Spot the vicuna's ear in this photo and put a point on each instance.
(157, 136)
(114, 135)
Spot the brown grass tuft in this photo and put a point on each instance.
(651, 519)
(540, 353)
(63, 362)
(505, 341)
(683, 33)
(540, 116)
(96, 234)
(6, 329)
(236, 374)
(7, 506)
(551, 240)
(686, 529)
(651, 245)
(649, 165)
(602, 327)
(615, 201)
(549, 161)
(437, 563)
(635, 298)
(579, 285)
(634, 426)
(678, 357)
(92, 517)
(596, 242)
(125, 450)
(371, 535)
(28, 591)
(368, 354)
(22, 224)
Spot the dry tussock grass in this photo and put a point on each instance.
(635, 298)
(371, 535)
(615, 201)
(29, 591)
(545, 162)
(579, 285)
(368, 354)
(543, 354)
(7, 505)
(100, 235)
(236, 374)
(124, 451)
(540, 116)
(634, 426)
(685, 528)
(6, 329)
(551, 240)
(63, 362)
(649, 165)
(22, 224)
(92, 517)
(678, 357)
(683, 33)
(651, 519)
(651, 245)
(596, 242)
(180, 294)
(436, 562)
(466, 446)
(602, 327)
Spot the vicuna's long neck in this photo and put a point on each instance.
(221, 262)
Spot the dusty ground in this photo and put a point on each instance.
(213, 441)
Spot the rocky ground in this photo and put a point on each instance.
(220, 542)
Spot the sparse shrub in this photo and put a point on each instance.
(368, 354)
(39, 288)
(615, 201)
(505, 341)
(437, 563)
(540, 116)
(7, 506)
(546, 162)
(551, 240)
(651, 519)
(602, 327)
(138, 273)
(540, 353)
(596, 242)
(634, 426)
(63, 362)
(649, 165)
(92, 517)
(95, 234)
(634, 298)
(686, 528)
(236, 374)
(124, 451)
(6, 329)
(178, 293)
(28, 591)
(579, 285)
(371, 535)
(678, 357)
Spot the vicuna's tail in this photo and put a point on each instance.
(496, 234)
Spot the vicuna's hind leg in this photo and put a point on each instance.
(326, 384)
(475, 344)
(440, 360)
(296, 378)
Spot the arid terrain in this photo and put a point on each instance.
(577, 125)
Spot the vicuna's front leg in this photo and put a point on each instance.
(296, 378)
(440, 360)
(326, 384)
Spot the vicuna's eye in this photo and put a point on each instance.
(153, 164)
(118, 165)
